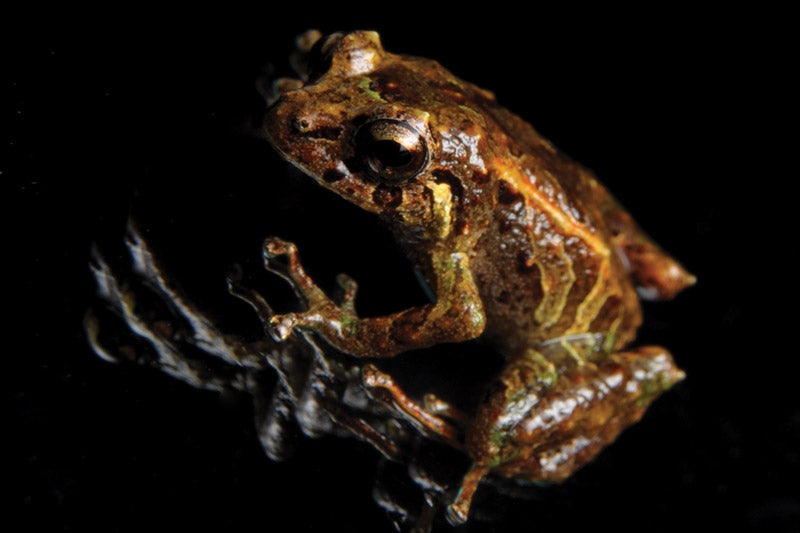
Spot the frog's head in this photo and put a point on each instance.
(396, 135)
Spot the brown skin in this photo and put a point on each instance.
(520, 245)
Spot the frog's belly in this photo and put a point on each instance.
(561, 287)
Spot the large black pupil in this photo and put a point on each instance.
(391, 154)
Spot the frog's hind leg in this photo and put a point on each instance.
(381, 386)
(436, 419)
(542, 426)
(432, 420)
(437, 406)
(657, 275)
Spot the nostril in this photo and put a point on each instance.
(315, 129)
(300, 125)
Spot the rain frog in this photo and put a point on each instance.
(518, 246)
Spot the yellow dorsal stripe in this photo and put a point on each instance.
(569, 225)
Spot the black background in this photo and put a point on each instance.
(153, 115)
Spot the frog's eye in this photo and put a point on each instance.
(391, 149)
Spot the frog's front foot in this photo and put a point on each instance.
(281, 258)
(141, 317)
(281, 326)
(322, 314)
(320, 318)
(455, 315)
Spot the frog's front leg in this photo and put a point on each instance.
(455, 316)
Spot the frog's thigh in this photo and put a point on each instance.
(603, 398)
(607, 397)
(543, 427)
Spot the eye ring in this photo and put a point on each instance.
(391, 150)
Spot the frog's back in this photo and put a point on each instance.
(547, 264)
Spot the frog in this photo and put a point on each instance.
(519, 247)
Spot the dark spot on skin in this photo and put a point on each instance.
(332, 175)
(481, 177)
(456, 188)
(505, 224)
(504, 297)
(507, 194)
(515, 150)
(387, 197)
(525, 261)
